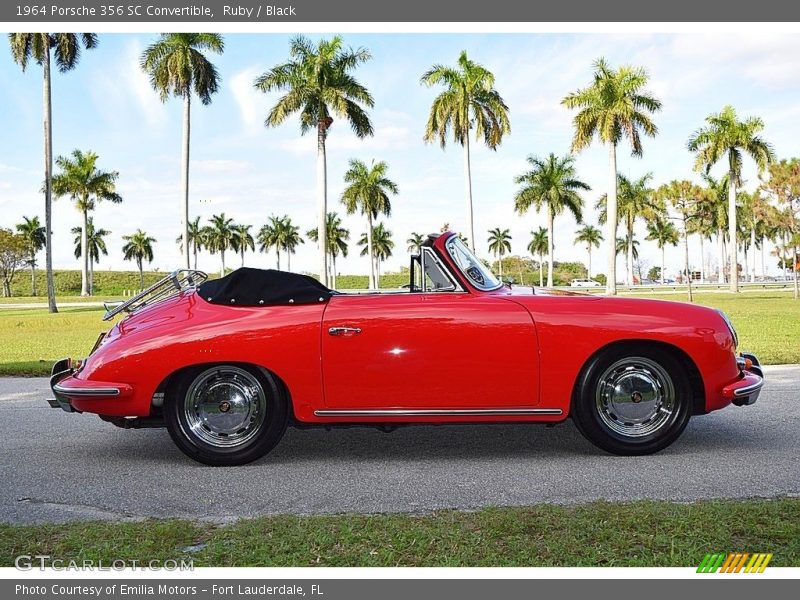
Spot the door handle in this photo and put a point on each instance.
(344, 330)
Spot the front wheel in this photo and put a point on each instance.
(632, 401)
(225, 414)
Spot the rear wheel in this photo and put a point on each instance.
(225, 414)
(633, 400)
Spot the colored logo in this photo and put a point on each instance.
(734, 562)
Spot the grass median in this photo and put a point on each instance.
(768, 324)
(632, 534)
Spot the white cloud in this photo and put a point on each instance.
(249, 100)
(222, 166)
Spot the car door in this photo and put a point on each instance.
(436, 350)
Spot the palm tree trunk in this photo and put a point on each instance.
(721, 255)
(332, 280)
(663, 262)
(289, 259)
(278, 257)
(85, 253)
(686, 258)
(468, 190)
(611, 221)
(753, 246)
(48, 183)
(187, 104)
(222, 256)
(589, 268)
(702, 261)
(373, 284)
(500, 263)
(550, 246)
(794, 254)
(141, 273)
(91, 278)
(322, 203)
(194, 252)
(541, 275)
(33, 273)
(763, 260)
(242, 255)
(629, 252)
(733, 253)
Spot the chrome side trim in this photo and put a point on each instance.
(748, 390)
(458, 412)
(109, 391)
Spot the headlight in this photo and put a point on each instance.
(730, 327)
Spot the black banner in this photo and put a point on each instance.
(392, 589)
(417, 11)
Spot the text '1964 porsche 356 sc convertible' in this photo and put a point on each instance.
(225, 365)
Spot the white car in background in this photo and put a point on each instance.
(584, 283)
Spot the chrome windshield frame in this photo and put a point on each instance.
(483, 288)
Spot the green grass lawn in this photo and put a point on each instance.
(768, 324)
(599, 534)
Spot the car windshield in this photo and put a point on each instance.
(474, 270)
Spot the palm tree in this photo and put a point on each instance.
(86, 185)
(614, 106)
(177, 66)
(687, 199)
(726, 137)
(95, 243)
(469, 100)
(499, 243)
(663, 233)
(539, 246)
(35, 238)
(368, 192)
(337, 238)
(219, 237)
(715, 203)
(290, 240)
(242, 240)
(66, 48)
(269, 236)
(784, 185)
(552, 184)
(196, 240)
(319, 83)
(382, 246)
(139, 247)
(591, 236)
(635, 199)
(415, 241)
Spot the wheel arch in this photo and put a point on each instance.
(695, 378)
(155, 403)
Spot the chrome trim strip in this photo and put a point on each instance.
(109, 391)
(458, 412)
(748, 390)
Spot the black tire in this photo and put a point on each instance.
(605, 406)
(236, 413)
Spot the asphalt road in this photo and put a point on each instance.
(56, 466)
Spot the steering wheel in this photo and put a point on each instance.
(475, 274)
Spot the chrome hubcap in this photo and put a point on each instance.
(635, 397)
(225, 407)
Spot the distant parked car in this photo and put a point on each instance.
(584, 283)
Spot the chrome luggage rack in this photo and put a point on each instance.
(173, 284)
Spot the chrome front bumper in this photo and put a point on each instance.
(746, 390)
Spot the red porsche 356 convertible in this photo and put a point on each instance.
(227, 364)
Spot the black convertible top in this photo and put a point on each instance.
(263, 287)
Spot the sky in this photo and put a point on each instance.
(250, 172)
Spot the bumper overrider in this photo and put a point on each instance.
(745, 390)
(68, 389)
